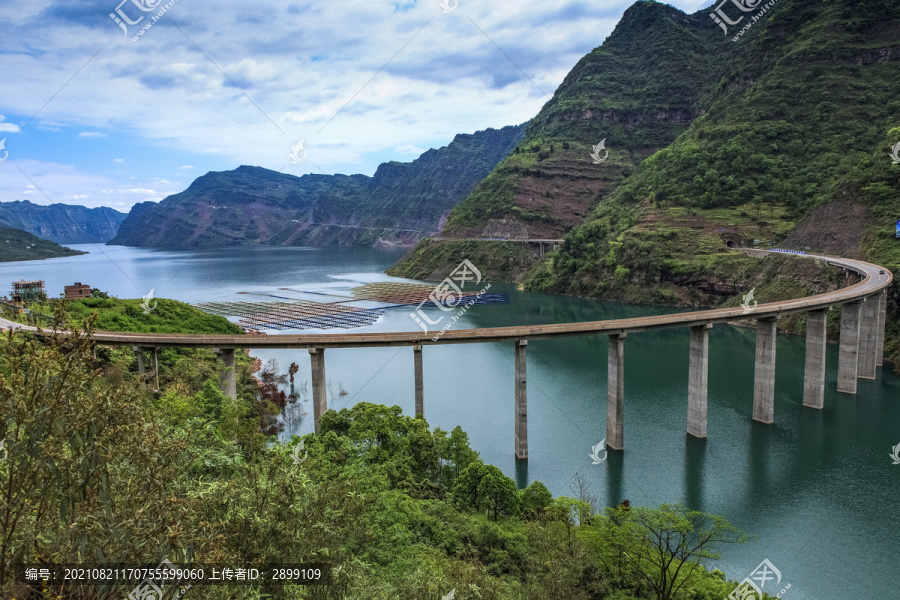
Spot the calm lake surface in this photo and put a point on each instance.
(817, 488)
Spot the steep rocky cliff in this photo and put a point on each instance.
(62, 223)
(634, 94)
(399, 205)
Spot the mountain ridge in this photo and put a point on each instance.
(399, 205)
(62, 223)
(789, 147)
(17, 244)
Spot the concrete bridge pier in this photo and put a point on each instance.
(848, 354)
(814, 377)
(320, 399)
(420, 381)
(615, 392)
(227, 375)
(142, 367)
(139, 352)
(155, 356)
(698, 380)
(882, 318)
(521, 401)
(764, 378)
(868, 336)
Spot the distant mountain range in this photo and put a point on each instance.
(62, 223)
(16, 244)
(401, 204)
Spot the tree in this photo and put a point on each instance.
(497, 493)
(663, 547)
(459, 453)
(465, 489)
(88, 474)
(214, 403)
(570, 511)
(535, 499)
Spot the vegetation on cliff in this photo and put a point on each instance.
(16, 244)
(637, 92)
(781, 142)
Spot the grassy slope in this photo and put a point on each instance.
(434, 260)
(16, 244)
(169, 316)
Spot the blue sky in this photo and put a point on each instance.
(91, 117)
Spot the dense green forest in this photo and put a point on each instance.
(100, 468)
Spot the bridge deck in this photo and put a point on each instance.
(874, 280)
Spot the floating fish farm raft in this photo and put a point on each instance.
(293, 314)
(288, 313)
(413, 294)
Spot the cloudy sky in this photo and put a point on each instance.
(99, 113)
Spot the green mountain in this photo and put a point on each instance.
(785, 139)
(62, 223)
(16, 244)
(636, 94)
(399, 205)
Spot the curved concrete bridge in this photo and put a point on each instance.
(863, 313)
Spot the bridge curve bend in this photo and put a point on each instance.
(874, 280)
(863, 313)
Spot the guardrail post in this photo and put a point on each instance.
(764, 377)
(227, 375)
(521, 401)
(698, 379)
(420, 381)
(882, 318)
(848, 354)
(868, 336)
(320, 399)
(814, 376)
(615, 392)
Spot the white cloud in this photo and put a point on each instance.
(46, 183)
(410, 149)
(8, 127)
(118, 160)
(359, 81)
